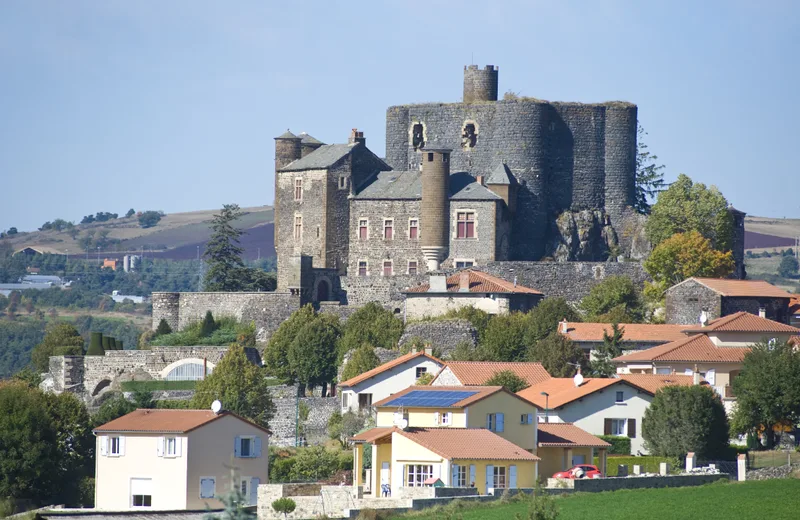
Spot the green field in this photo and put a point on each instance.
(764, 499)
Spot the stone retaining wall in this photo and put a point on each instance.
(442, 334)
(315, 428)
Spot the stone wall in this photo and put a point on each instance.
(776, 309)
(685, 302)
(315, 428)
(595, 485)
(443, 335)
(329, 500)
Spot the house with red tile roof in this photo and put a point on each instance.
(468, 288)
(477, 373)
(636, 336)
(360, 392)
(160, 460)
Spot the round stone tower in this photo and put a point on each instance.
(308, 144)
(480, 85)
(435, 237)
(287, 149)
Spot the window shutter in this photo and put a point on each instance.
(471, 475)
(454, 475)
(632, 428)
(436, 418)
(254, 482)
(160, 446)
(121, 445)
(500, 422)
(512, 476)
(450, 418)
(607, 427)
(178, 446)
(257, 446)
(489, 477)
(237, 445)
(530, 418)
(488, 421)
(104, 445)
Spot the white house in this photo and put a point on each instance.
(601, 406)
(358, 393)
(177, 459)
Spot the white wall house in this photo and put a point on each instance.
(177, 459)
(358, 393)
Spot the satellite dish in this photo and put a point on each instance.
(578, 379)
(216, 406)
(403, 424)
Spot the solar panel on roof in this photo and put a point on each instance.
(431, 398)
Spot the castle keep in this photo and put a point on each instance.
(462, 184)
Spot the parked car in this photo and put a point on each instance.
(580, 471)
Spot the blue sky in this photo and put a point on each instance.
(108, 105)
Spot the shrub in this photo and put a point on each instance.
(208, 326)
(163, 328)
(281, 470)
(96, 345)
(314, 463)
(284, 505)
(619, 445)
(508, 380)
(155, 386)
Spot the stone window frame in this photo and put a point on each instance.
(474, 221)
(410, 220)
(342, 182)
(416, 267)
(298, 226)
(298, 189)
(358, 267)
(358, 228)
(470, 261)
(391, 267)
(411, 134)
(390, 227)
(474, 123)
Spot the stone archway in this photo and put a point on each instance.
(102, 385)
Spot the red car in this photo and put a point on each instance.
(580, 471)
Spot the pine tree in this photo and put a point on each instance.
(611, 348)
(209, 325)
(163, 328)
(96, 345)
(649, 175)
(223, 253)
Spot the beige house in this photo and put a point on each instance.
(476, 373)
(177, 459)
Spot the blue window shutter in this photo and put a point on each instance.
(488, 421)
(237, 445)
(454, 475)
(471, 474)
(530, 418)
(512, 476)
(254, 482)
(489, 477)
(257, 447)
(500, 422)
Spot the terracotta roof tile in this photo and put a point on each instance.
(374, 434)
(481, 392)
(475, 373)
(794, 305)
(567, 435)
(754, 288)
(467, 443)
(698, 348)
(387, 366)
(651, 383)
(744, 322)
(562, 390)
(166, 421)
(638, 332)
(479, 282)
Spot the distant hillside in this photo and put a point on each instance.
(770, 233)
(177, 236)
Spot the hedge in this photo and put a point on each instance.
(619, 445)
(154, 386)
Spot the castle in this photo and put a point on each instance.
(462, 184)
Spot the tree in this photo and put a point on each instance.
(682, 256)
(424, 379)
(788, 267)
(112, 408)
(163, 328)
(208, 326)
(276, 355)
(362, 360)
(371, 324)
(149, 219)
(686, 206)
(477, 317)
(544, 318)
(12, 231)
(681, 419)
(58, 334)
(649, 175)
(508, 380)
(241, 386)
(314, 463)
(75, 444)
(284, 505)
(223, 253)
(504, 339)
(558, 355)
(601, 365)
(342, 427)
(614, 299)
(130, 213)
(767, 390)
(312, 355)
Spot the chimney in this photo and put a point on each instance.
(357, 137)
(463, 281)
(428, 349)
(695, 376)
(562, 325)
(762, 312)
(438, 283)
(479, 180)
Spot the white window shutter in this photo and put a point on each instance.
(178, 446)
(104, 445)
(500, 418)
(254, 482)
(237, 446)
(257, 446)
(160, 446)
(711, 376)
(450, 418)
(121, 445)
(454, 475)
(471, 475)
(512, 476)
(436, 418)
(489, 476)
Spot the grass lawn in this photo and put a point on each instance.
(740, 501)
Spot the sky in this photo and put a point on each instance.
(109, 105)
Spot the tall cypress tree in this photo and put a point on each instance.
(96, 345)
(223, 253)
(107, 343)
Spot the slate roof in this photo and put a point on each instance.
(287, 135)
(741, 288)
(567, 435)
(475, 373)
(744, 322)
(307, 139)
(479, 282)
(697, 348)
(165, 421)
(501, 175)
(407, 185)
(637, 332)
(481, 392)
(387, 366)
(467, 443)
(323, 157)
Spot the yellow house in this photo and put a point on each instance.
(177, 459)
(560, 443)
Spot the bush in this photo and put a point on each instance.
(281, 470)
(284, 505)
(314, 463)
(228, 331)
(163, 328)
(619, 445)
(149, 219)
(155, 386)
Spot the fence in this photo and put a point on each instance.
(771, 459)
(649, 464)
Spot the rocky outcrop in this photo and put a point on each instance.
(582, 235)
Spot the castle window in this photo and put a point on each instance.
(418, 136)
(388, 229)
(465, 224)
(362, 268)
(363, 229)
(413, 229)
(342, 182)
(318, 231)
(463, 264)
(430, 157)
(387, 268)
(412, 267)
(298, 189)
(469, 135)
(298, 227)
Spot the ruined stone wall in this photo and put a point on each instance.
(443, 335)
